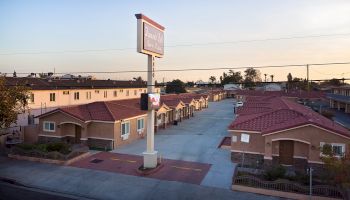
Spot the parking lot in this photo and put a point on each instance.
(197, 139)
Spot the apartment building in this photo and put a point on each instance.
(48, 94)
(339, 98)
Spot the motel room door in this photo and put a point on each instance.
(286, 152)
(77, 134)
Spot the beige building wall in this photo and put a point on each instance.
(100, 130)
(62, 125)
(134, 134)
(309, 134)
(307, 140)
(256, 144)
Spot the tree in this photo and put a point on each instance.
(231, 77)
(14, 74)
(251, 77)
(265, 76)
(272, 77)
(13, 100)
(189, 84)
(138, 79)
(212, 79)
(175, 86)
(332, 82)
(289, 77)
(337, 168)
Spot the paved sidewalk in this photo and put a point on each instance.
(106, 185)
(196, 139)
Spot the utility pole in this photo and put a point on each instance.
(308, 82)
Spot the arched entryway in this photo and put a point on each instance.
(290, 152)
(72, 131)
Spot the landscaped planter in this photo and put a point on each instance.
(50, 161)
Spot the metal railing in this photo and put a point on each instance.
(288, 186)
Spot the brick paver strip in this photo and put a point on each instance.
(173, 170)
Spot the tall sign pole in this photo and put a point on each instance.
(150, 41)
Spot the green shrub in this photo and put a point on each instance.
(41, 147)
(59, 147)
(26, 146)
(275, 173)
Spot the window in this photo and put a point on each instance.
(105, 94)
(88, 95)
(338, 149)
(144, 91)
(115, 93)
(31, 98)
(52, 96)
(135, 92)
(65, 92)
(97, 91)
(127, 93)
(140, 124)
(30, 119)
(120, 90)
(76, 95)
(125, 130)
(49, 126)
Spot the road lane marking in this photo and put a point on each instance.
(129, 161)
(187, 168)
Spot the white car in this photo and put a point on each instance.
(239, 104)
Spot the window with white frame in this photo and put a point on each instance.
(49, 126)
(135, 92)
(52, 96)
(115, 93)
(76, 95)
(127, 93)
(337, 148)
(125, 129)
(140, 124)
(105, 94)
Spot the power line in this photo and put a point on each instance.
(194, 69)
(178, 45)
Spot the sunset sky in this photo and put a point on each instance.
(86, 35)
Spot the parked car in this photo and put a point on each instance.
(239, 104)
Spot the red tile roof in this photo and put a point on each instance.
(102, 111)
(298, 94)
(280, 114)
(118, 109)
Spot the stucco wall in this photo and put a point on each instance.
(256, 144)
(302, 136)
(312, 135)
(103, 130)
(58, 118)
(134, 135)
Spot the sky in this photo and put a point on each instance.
(63, 36)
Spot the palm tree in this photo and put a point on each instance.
(212, 79)
(265, 76)
(272, 77)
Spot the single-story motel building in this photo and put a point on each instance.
(274, 130)
(110, 124)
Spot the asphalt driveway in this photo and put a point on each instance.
(196, 139)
